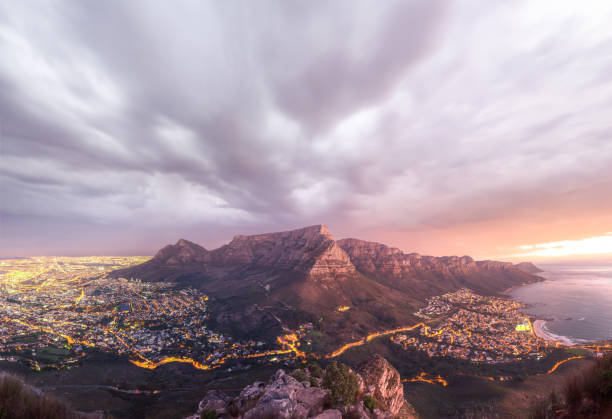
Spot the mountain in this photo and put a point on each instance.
(310, 252)
(258, 284)
(429, 275)
(528, 267)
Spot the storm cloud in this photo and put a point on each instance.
(440, 127)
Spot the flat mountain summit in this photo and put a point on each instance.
(311, 251)
(266, 281)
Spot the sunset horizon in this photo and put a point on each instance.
(303, 209)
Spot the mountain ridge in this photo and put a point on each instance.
(261, 283)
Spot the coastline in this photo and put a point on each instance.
(540, 330)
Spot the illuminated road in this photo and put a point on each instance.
(375, 335)
(422, 377)
(79, 298)
(371, 336)
(550, 371)
(289, 344)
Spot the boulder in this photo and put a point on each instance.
(214, 399)
(283, 397)
(313, 399)
(388, 390)
(329, 414)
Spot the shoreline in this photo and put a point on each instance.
(539, 328)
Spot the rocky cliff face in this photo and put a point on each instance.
(431, 274)
(528, 267)
(384, 383)
(285, 397)
(311, 251)
(376, 257)
(261, 283)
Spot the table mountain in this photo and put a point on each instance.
(261, 283)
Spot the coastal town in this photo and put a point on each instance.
(469, 326)
(54, 310)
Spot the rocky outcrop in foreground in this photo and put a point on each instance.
(379, 395)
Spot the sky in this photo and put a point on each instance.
(459, 127)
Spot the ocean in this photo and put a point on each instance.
(575, 300)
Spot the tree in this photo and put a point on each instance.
(315, 370)
(299, 375)
(341, 382)
(370, 403)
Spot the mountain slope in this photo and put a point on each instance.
(429, 275)
(262, 282)
(528, 267)
(310, 251)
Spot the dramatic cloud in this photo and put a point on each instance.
(440, 127)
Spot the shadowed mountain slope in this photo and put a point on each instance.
(429, 275)
(261, 282)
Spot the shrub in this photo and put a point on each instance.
(539, 410)
(299, 375)
(233, 409)
(606, 388)
(315, 370)
(313, 382)
(586, 393)
(341, 382)
(572, 392)
(208, 414)
(369, 402)
(19, 400)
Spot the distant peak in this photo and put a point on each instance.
(310, 231)
(320, 229)
(186, 245)
(183, 243)
(528, 267)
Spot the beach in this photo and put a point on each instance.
(574, 303)
(540, 330)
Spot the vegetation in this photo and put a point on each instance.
(586, 394)
(578, 351)
(299, 375)
(315, 370)
(208, 414)
(370, 403)
(341, 382)
(19, 400)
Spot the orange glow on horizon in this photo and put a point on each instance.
(598, 245)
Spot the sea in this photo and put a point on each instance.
(575, 300)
